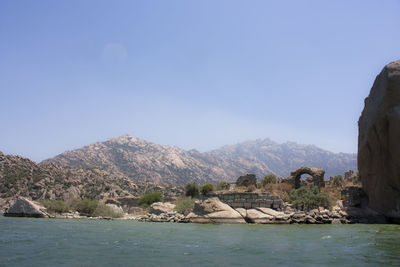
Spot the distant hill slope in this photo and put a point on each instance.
(283, 158)
(22, 177)
(145, 161)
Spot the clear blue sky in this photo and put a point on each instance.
(195, 74)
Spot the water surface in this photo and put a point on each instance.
(49, 242)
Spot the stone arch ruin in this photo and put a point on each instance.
(316, 174)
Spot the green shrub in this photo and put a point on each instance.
(337, 180)
(192, 190)
(309, 198)
(184, 205)
(103, 210)
(269, 179)
(223, 186)
(85, 206)
(55, 206)
(149, 198)
(207, 188)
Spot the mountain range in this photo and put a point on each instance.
(143, 161)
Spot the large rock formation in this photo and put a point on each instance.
(379, 143)
(23, 207)
(160, 207)
(212, 210)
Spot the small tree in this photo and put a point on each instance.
(269, 179)
(309, 198)
(192, 190)
(149, 198)
(223, 186)
(207, 188)
(184, 206)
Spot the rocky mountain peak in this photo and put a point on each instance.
(142, 161)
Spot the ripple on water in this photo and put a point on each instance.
(96, 243)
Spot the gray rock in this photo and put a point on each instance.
(23, 207)
(212, 210)
(246, 180)
(160, 207)
(379, 143)
(256, 216)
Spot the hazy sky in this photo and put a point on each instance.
(195, 74)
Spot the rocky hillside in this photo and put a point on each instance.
(22, 177)
(281, 159)
(145, 161)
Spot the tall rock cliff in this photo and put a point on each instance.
(379, 143)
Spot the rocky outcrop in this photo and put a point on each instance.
(379, 143)
(22, 177)
(23, 207)
(247, 180)
(212, 210)
(160, 207)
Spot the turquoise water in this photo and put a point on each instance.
(49, 242)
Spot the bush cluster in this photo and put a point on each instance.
(184, 205)
(207, 188)
(309, 198)
(223, 186)
(192, 190)
(85, 207)
(55, 206)
(269, 179)
(149, 198)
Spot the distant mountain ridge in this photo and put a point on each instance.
(143, 161)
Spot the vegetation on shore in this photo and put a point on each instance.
(149, 198)
(86, 207)
(184, 205)
(307, 198)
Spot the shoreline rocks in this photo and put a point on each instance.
(23, 207)
(212, 210)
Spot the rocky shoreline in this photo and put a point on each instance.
(212, 210)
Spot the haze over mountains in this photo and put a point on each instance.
(145, 161)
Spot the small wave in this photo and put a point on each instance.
(326, 237)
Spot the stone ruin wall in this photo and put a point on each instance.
(249, 200)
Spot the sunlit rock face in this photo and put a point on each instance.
(379, 143)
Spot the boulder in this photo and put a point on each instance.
(212, 210)
(246, 180)
(354, 196)
(256, 216)
(23, 207)
(271, 212)
(160, 207)
(115, 208)
(379, 143)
